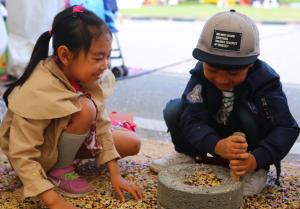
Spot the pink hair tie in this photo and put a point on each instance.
(78, 9)
(50, 32)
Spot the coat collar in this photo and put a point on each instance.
(54, 69)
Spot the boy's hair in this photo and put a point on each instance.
(74, 27)
(228, 67)
(228, 40)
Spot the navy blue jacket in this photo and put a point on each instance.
(262, 94)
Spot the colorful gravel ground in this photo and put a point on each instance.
(136, 169)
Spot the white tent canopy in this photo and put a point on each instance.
(3, 34)
(26, 21)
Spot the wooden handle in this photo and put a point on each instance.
(233, 177)
(239, 134)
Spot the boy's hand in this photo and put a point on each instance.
(242, 167)
(54, 201)
(120, 185)
(232, 147)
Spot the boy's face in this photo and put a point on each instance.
(225, 79)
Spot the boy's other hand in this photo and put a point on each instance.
(242, 167)
(232, 147)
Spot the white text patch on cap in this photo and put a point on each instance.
(226, 40)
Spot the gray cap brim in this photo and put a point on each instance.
(222, 60)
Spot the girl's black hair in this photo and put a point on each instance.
(75, 29)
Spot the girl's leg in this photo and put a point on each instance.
(127, 142)
(63, 175)
(81, 121)
(75, 133)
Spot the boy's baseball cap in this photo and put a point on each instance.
(228, 39)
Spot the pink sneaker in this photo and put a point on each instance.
(68, 182)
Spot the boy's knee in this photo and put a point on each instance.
(171, 110)
(81, 121)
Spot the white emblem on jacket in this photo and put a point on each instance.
(195, 95)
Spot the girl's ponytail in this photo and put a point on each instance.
(40, 51)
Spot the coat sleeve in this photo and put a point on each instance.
(283, 129)
(194, 119)
(25, 137)
(104, 137)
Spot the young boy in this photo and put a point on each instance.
(231, 90)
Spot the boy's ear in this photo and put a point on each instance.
(64, 55)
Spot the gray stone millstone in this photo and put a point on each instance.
(173, 193)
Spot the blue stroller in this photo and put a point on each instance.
(107, 10)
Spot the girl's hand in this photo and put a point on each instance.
(242, 167)
(120, 185)
(54, 201)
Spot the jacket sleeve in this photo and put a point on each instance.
(273, 106)
(104, 137)
(26, 136)
(194, 118)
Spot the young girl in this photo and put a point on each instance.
(57, 108)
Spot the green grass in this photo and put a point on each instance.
(201, 11)
(289, 1)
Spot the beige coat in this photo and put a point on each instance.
(38, 112)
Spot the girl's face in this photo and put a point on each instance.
(88, 67)
(225, 79)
